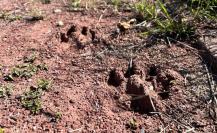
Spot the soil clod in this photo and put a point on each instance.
(167, 77)
(134, 68)
(174, 75)
(81, 41)
(135, 85)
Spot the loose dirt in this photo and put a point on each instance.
(101, 82)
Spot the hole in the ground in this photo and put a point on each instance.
(93, 34)
(71, 30)
(153, 71)
(165, 84)
(142, 104)
(63, 37)
(115, 78)
(130, 70)
(84, 30)
(139, 18)
(164, 94)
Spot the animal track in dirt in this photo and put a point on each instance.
(82, 36)
(134, 68)
(147, 91)
(116, 77)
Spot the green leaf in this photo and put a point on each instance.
(164, 10)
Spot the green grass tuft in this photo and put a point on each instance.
(5, 90)
(25, 70)
(161, 23)
(31, 101)
(44, 84)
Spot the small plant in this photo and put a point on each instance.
(9, 16)
(161, 24)
(31, 100)
(201, 8)
(26, 70)
(116, 3)
(5, 90)
(44, 84)
(146, 10)
(30, 59)
(58, 116)
(75, 3)
(132, 124)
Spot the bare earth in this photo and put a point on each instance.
(91, 87)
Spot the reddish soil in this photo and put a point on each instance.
(100, 83)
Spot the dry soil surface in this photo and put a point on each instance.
(100, 82)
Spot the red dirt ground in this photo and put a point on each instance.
(80, 70)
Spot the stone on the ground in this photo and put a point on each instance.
(60, 23)
(57, 11)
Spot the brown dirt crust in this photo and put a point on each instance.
(101, 82)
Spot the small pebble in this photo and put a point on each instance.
(60, 23)
(57, 11)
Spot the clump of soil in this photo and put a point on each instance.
(142, 95)
(135, 85)
(166, 80)
(134, 68)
